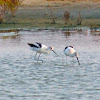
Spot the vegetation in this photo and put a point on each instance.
(13, 5)
(49, 15)
(79, 19)
(66, 16)
(8, 5)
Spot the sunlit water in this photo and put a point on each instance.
(23, 78)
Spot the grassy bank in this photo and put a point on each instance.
(40, 16)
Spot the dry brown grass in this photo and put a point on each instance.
(57, 3)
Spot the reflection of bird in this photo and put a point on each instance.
(69, 51)
(40, 48)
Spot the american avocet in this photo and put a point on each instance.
(40, 48)
(69, 51)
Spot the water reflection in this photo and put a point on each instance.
(80, 31)
(95, 33)
(10, 34)
(9, 31)
(12, 37)
(67, 33)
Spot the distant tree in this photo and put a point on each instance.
(8, 5)
(2, 10)
(13, 5)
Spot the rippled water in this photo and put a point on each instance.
(23, 78)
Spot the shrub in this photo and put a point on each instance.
(79, 19)
(66, 16)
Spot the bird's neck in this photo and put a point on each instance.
(74, 54)
(48, 51)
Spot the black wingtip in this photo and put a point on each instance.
(30, 44)
(66, 47)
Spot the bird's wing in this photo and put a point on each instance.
(36, 45)
(66, 48)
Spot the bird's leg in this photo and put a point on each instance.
(38, 58)
(35, 56)
(72, 60)
(66, 59)
(78, 60)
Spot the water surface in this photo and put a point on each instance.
(23, 78)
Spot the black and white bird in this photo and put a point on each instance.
(70, 51)
(40, 48)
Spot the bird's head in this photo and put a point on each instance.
(52, 49)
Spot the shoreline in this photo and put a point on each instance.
(39, 29)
